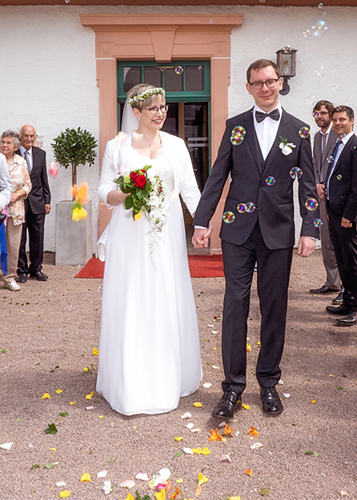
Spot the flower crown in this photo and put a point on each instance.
(145, 95)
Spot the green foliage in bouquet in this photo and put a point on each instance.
(140, 187)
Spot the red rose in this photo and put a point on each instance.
(140, 181)
(133, 176)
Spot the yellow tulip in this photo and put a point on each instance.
(138, 215)
(79, 214)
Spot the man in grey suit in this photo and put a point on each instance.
(324, 144)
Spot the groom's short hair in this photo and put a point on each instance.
(262, 63)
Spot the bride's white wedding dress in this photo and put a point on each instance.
(149, 353)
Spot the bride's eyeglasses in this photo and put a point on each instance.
(155, 109)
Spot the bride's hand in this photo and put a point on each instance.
(116, 197)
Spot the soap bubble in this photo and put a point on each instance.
(162, 68)
(270, 181)
(312, 99)
(311, 204)
(329, 159)
(335, 88)
(241, 208)
(199, 67)
(287, 49)
(320, 70)
(319, 28)
(339, 177)
(320, 6)
(179, 70)
(318, 223)
(295, 173)
(237, 139)
(306, 33)
(228, 217)
(332, 71)
(304, 132)
(249, 207)
(239, 130)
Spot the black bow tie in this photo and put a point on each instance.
(274, 115)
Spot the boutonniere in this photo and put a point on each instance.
(285, 146)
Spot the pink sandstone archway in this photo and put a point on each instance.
(162, 37)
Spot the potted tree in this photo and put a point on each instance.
(73, 147)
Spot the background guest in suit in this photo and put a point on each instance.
(341, 195)
(324, 144)
(37, 206)
(263, 150)
(21, 186)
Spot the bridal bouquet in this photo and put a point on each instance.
(145, 195)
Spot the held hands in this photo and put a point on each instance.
(201, 236)
(306, 246)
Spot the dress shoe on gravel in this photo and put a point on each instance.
(12, 285)
(271, 401)
(339, 299)
(228, 405)
(349, 320)
(323, 289)
(39, 276)
(22, 278)
(341, 310)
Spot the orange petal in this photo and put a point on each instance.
(249, 472)
(227, 431)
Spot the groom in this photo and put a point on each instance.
(263, 150)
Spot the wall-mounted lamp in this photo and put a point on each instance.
(286, 62)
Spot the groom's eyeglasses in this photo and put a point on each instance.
(269, 83)
(155, 109)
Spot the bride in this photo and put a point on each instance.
(149, 353)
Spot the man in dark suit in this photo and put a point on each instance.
(37, 206)
(341, 196)
(263, 150)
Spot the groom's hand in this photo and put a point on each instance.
(306, 246)
(200, 237)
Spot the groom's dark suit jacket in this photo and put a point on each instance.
(343, 183)
(249, 174)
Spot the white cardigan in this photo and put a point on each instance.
(178, 156)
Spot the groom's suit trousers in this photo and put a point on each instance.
(272, 285)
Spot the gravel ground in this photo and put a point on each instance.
(48, 334)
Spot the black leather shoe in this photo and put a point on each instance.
(271, 401)
(228, 405)
(349, 320)
(22, 278)
(339, 299)
(340, 310)
(323, 289)
(39, 276)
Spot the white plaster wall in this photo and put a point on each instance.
(48, 71)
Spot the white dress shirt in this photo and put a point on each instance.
(266, 130)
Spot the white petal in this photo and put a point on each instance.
(129, 483)
(6, 446)
(164, 475)
(143, 476)
(60, 484)
(186, 415)
(102, 473)
(207, 385)
(195, 430)
(190, 425)
(188, 451)
(225, 458)
(286, 395)
(255, 446)
(215, 367)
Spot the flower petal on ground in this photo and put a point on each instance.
(227, 431)
(102, 473)
(249, 347)
(89, 407)
(6, 446)
(205, 451)
(286, 394)
(188, 451)
(46, 396)
(256, 446)
(215, 436)
(176, 493)
(207, 385)
(197, 451)
(249, 472)
(178, 439)
(246, 407)
(58, 391)
(313, 401)
(225, 458)
(253, 431)
(89, 396)
(195, 430)
(142, 475)
(190, 425)
(186, 415)
(95, 351)
(107, 486)
(215, 367)
(234, 498)
(128, 483)
(73, 402)
(64, 494)
(197, 405)
(130, 497)
(160, 495)
(86, 478)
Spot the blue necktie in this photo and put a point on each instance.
(330, 167)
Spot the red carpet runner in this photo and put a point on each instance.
(201, 266)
